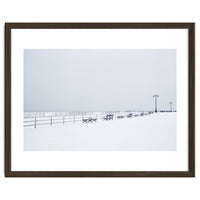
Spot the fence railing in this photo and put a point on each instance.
(50, 120)
(66, 119)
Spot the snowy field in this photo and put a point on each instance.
(154, 132)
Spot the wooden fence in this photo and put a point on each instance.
(67, 119)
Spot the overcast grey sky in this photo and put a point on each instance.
(98, 80)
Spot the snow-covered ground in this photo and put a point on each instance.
(155, 132)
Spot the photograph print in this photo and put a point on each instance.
(100, 100)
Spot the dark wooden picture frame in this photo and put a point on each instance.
(191, 99)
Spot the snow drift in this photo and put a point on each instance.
(155, 132)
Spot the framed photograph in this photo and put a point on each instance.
(99, 99)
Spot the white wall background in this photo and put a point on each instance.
(99, 11)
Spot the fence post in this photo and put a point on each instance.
(63, 120)
(51, 121)
(35, 122)
(74, 119)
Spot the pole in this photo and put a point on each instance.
(51, 121)
(155, 97)
(35, 122)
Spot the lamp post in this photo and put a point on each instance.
(155, 96)
(170, 103)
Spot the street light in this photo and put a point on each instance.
(155, 96)
(170, 103)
